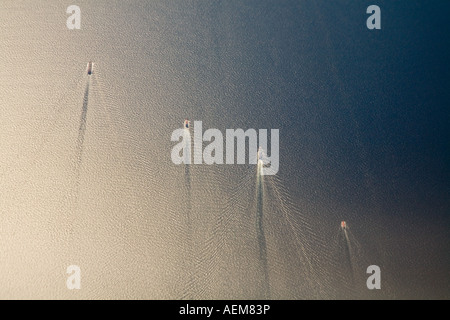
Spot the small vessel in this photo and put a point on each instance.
(186, 124)
(90, 67)
(260, 153)
(343, 225)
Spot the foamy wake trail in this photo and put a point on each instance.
(348, 264)
(106, 105)
(355, 254)
(80, 143)
(50, 122)
(188, 252)
(208, 266)
(298, 231)
(274, 205)
(260, 229)
(348, 249)
(82, 126)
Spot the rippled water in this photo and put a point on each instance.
(87, 178)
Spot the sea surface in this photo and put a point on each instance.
(87, 179)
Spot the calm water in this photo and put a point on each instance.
(86, 176)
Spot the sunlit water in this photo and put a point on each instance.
(86, 171)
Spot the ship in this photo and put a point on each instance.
(90, 67)
(260, 154)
